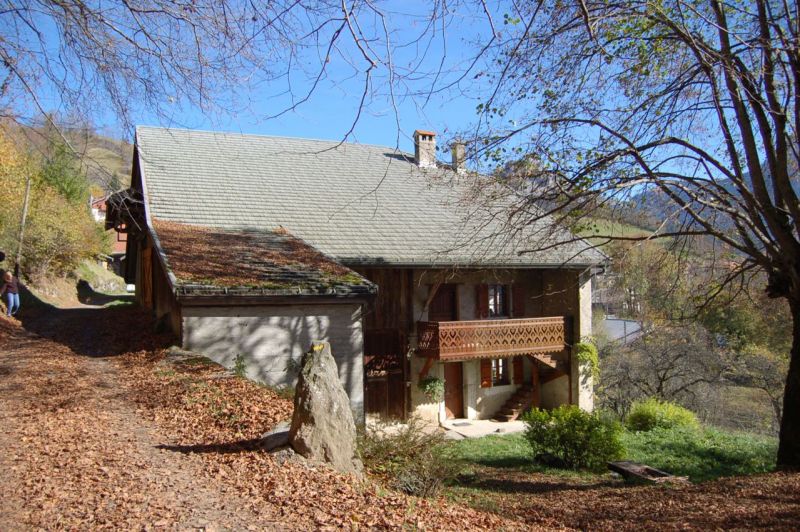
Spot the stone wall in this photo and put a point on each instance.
(272, 340)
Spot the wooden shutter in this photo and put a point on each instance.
(486, 373)
(482, 301)
(518, 371)
(518, 300)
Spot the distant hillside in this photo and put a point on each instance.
(107, 160)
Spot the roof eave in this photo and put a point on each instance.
(221, 299)
(380, 263)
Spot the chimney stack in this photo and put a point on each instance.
(459, 153)
(425, 149)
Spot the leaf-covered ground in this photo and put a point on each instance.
(131, 441)
(100, 430)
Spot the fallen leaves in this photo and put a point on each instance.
(141, 441)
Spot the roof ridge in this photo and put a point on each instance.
(264, 136)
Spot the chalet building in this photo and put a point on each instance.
(251, 247)
(114, 261)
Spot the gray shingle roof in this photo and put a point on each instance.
(360, 204)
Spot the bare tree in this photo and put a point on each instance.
(692, 106)
(670, 363)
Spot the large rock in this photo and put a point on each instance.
(323, 427)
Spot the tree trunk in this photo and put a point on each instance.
(789, 446)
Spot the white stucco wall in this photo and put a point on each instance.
(583, 384)
(272, 340)
(555, 393)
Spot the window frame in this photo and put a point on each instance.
(497, 297)
(501, 371)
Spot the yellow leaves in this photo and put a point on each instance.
(58, 234)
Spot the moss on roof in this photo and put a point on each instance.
(208, 260)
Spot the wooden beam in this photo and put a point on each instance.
(569, 372)
(547, 360)
(431, 294)
(426, 368)
(553, 376)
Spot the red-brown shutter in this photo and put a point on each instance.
(482, 302)
(518, 371)
(518, 300)
(486, 373)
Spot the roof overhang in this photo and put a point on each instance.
(223, 300)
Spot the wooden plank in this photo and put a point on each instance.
(426, 368)
(481, 301)
(486, 373)
(636, 472)
(518, 370)
(518, 300)
(147, 277)
(537, 386)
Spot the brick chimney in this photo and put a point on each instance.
(459, 153)
(425, 149)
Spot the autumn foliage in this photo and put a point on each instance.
(59, 230)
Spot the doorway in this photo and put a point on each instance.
(454, 389)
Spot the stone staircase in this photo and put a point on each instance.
(517, 404)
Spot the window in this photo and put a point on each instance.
(498, 300)
(500, 372)
(496, 372)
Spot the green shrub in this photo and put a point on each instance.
(588, 357)
(433, 388)
(407, 457)
(652, 413)
(570, 437)
(240, 366)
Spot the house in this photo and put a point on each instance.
(250, 247)
(99, 208)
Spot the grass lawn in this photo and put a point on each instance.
(701, 455)
(499, 476)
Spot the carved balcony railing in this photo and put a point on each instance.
(463, 340)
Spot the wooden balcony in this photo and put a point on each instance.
(463, 340)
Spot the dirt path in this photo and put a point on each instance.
(75, 452)
(99, 429)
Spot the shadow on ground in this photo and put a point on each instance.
(89, 296)
(513, 485)
(93, 331)
(240, 446)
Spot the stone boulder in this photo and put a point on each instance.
(323, 427)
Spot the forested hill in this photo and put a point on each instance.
(106, 160)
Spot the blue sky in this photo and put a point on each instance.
(330, 111)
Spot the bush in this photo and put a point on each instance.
(407, 457)
(432, 388)
(588, 357)
(569, 437)
(652, 413)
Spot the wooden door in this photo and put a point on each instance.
(454, 389)
(385, 373)
(444, 306)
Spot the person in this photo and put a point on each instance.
(11, 290)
